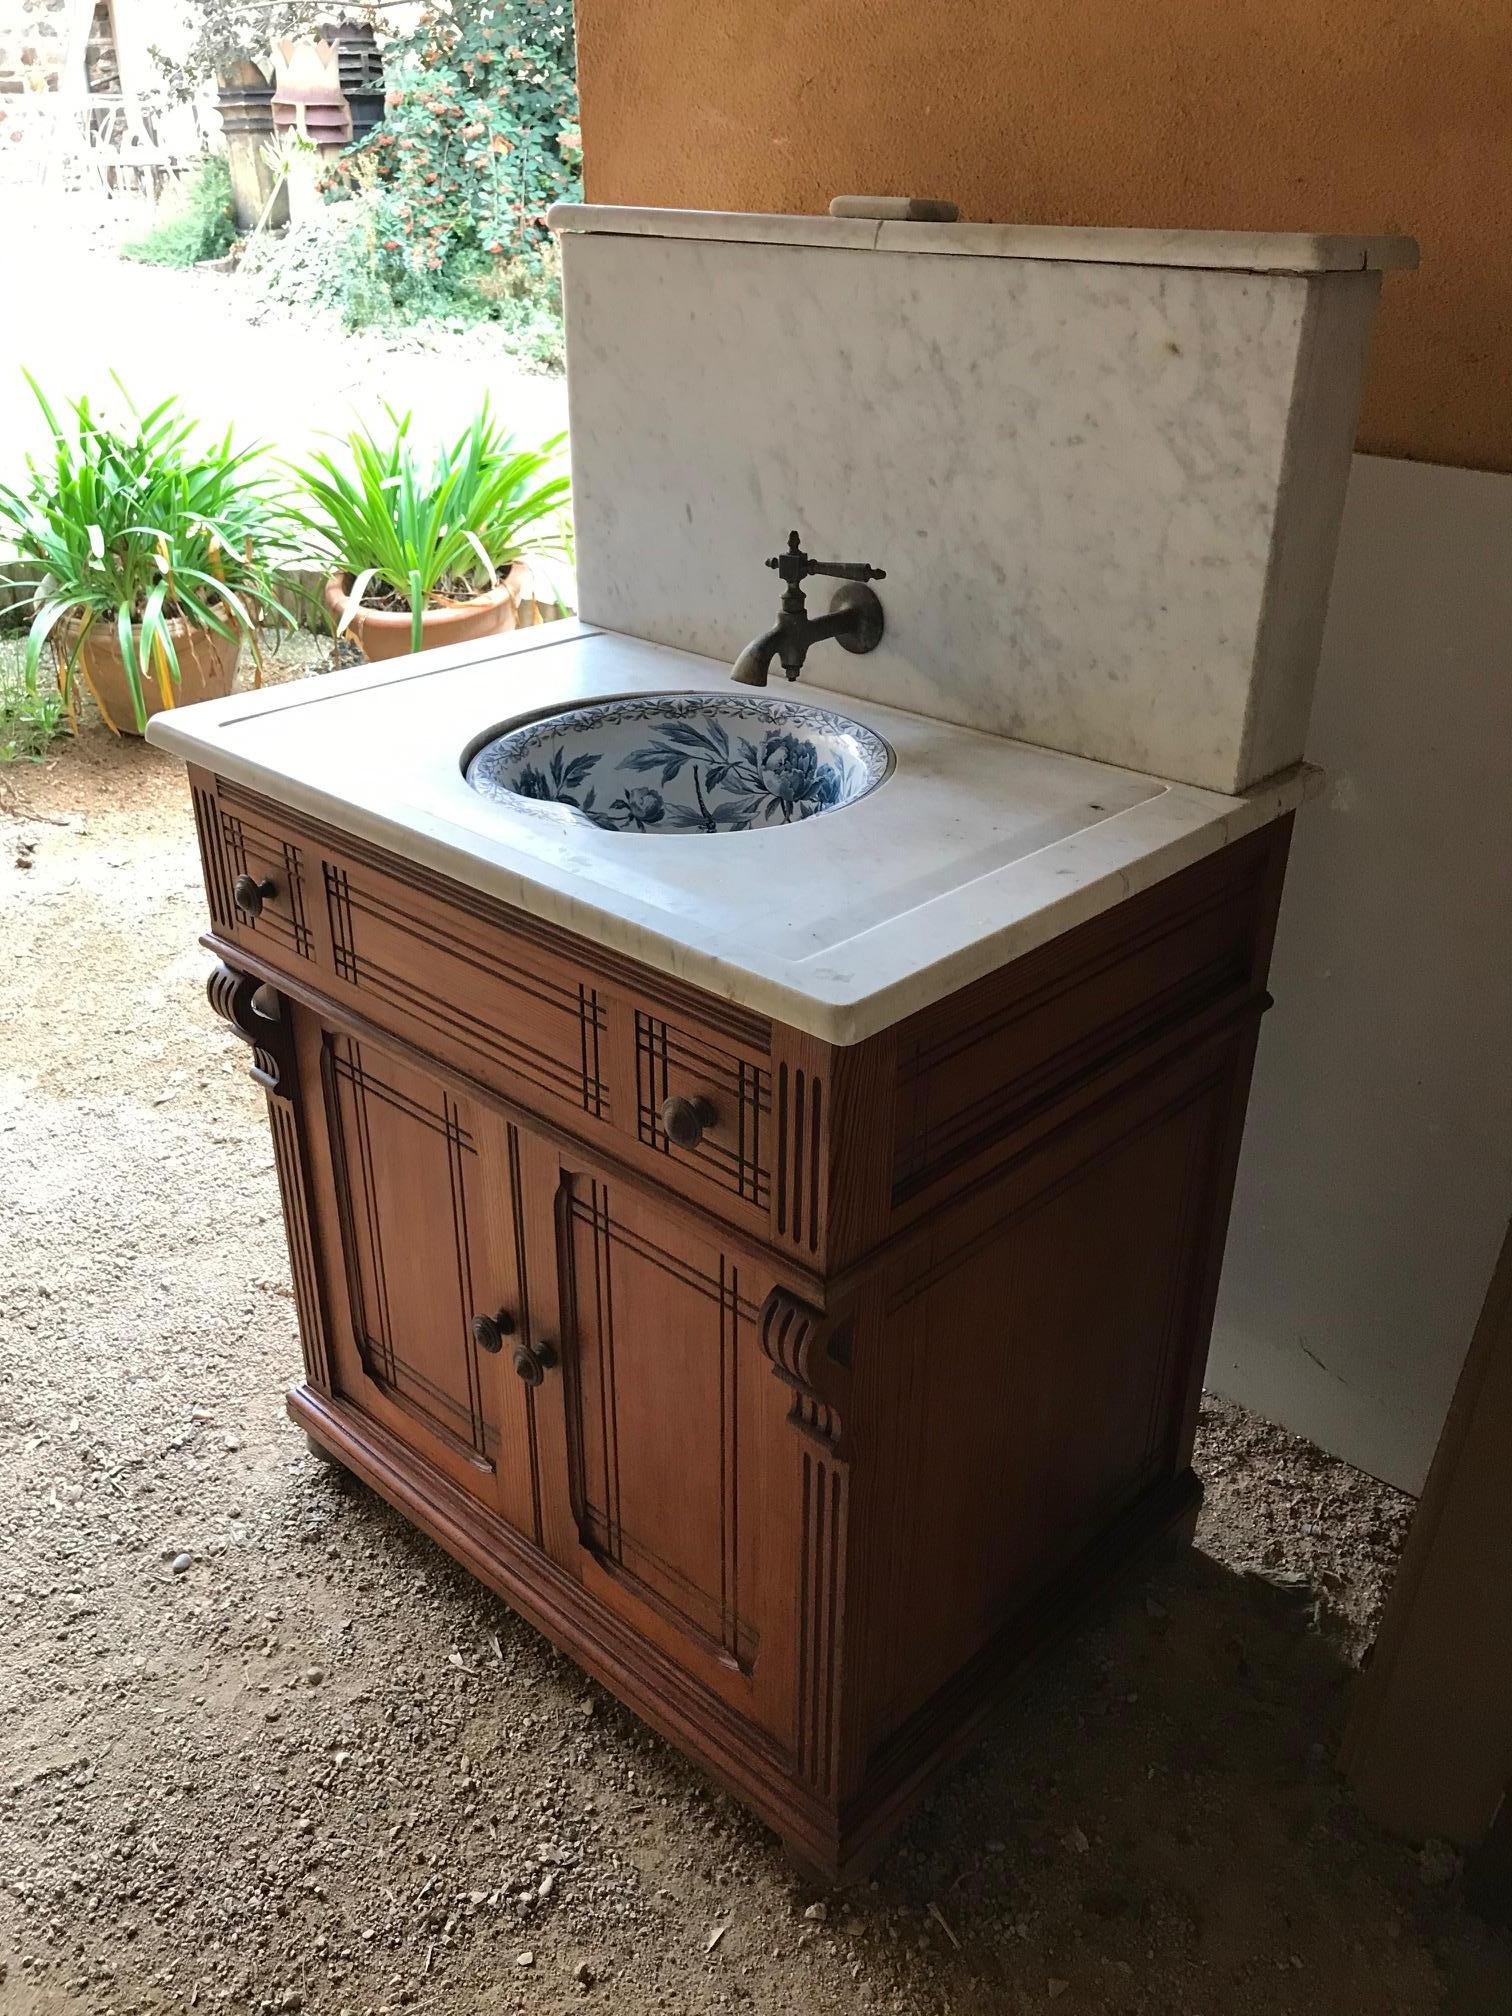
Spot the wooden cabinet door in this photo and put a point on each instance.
(419, 1192)
(680, 1468)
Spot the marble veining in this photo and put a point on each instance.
(1083, 477)
(973, 851)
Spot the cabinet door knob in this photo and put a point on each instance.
(489, 1332)
(685, 1120)
(250, 894)
(533, 1365)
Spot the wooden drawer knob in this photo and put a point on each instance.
(685, 1120)
(250, 894)
(489, 1332)
(533, 1365)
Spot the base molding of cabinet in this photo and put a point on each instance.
(736, 1752)
(832, 1843)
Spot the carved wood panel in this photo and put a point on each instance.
(212, 858)
(810, 1353)
(800, 1178)
(1038, 1344)
(426, 1188)
(264, 1021)
(974, 1068)
(659, 1359)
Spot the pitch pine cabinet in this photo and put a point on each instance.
(801, 1393)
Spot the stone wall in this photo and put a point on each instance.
(33, 37)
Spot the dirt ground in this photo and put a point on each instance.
(320, 1768)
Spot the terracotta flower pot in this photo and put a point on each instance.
(206, 661)
(385, 633)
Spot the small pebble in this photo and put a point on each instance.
(525, 1959)
(182, 1563)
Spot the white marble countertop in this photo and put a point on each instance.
(974, 850)
(1222, 251)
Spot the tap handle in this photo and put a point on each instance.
(795, 565)
(847, 570)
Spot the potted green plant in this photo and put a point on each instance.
(154, 559)
(432, 554)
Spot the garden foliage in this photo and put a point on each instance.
(479, 137)
(195, 224)
(133, 526)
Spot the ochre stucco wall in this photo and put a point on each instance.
(1334, 115)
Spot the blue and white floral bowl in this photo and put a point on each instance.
(686, 763)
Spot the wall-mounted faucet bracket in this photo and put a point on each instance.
(865, 633)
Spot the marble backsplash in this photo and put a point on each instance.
(1106, 495)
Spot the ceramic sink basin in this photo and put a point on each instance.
(686, 762)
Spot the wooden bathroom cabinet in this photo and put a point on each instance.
(803, 1430)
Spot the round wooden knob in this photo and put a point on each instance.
(489, 1332)
(250, 894)
(533, 1366)
(685, 1120)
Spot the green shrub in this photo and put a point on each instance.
(479, 136)
(31, 713)
(200, 226)
(336, 263)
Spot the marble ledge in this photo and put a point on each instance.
(975, 852)
(1218, 251)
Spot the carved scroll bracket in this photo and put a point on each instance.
(255, 1011)
(810, 1352)
(260, 1017)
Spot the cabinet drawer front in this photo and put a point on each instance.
(237, 838)
(594, 1043)
(452, 982)
(734, 1150)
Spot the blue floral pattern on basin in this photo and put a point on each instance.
(686, 763)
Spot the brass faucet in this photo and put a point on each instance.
(854, 619)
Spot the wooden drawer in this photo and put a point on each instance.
(594, 1042)
(240, 836)
(430, 962)
(687, 1061)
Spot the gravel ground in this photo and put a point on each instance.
(264, 1748)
